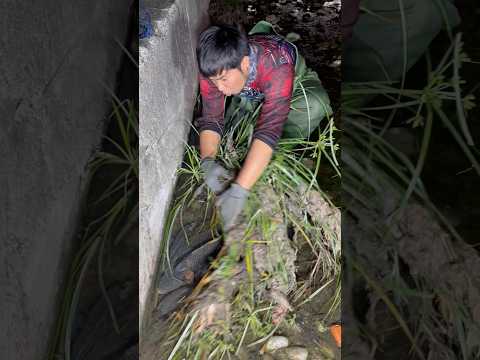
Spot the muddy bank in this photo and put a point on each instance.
(283, 285)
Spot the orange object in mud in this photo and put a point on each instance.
(336, 331)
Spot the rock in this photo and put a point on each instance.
(337, 4)
(272, 19)
(297, 353)
(276, 343)
(292, 353)
(267, 357)
(307, 16)
(292, 37)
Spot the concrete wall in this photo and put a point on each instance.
(167, 90)
(53, 57)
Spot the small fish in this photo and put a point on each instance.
(197, 262)
(168, 283)
(171, 301)
(185, 239)
(184, 260)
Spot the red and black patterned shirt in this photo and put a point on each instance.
(270, 79)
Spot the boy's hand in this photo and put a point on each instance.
(216, 176)
(231, 204)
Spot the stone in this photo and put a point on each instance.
(292, 353)
(275, 343)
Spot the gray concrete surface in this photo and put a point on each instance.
(168, 86)
(54, 56)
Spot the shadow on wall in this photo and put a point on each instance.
(53, 67)
(168, 88)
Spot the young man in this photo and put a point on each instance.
(261, 67)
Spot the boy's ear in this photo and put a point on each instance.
(245, 64)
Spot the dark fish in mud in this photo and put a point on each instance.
(185, 239)
(171, 301)
(198, 260)
(189, 261)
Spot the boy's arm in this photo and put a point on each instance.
(209, 141)
(257, 160)
(211, 123)
(277, 88)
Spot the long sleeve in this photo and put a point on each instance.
(277, 86)
(212, 107)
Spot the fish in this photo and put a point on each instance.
(171, 301)
(188, 259)
(197, 261)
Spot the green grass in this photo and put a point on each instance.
(118, 205)
(291, 180)
(371, 165)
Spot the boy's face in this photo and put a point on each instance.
(231, 82)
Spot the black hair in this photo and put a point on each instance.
(221, 47)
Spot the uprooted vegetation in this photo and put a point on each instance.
(256, 281)
(410, 283)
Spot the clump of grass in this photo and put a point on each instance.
(372, 167)
(121, 202)
(249, 322)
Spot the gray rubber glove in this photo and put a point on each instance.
(231, 204)
(216, 176)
